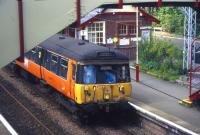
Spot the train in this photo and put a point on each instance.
(86, 75)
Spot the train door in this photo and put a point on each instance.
(45, 64)
(73, 79)
(55, 72)
(64, 79)
(51, 69)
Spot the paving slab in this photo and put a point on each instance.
(155, 94)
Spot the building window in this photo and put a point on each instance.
(123, 29)
(132, 29)
(96, 32)
(126, 29)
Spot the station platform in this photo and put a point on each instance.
(162, 98)
(5, 127)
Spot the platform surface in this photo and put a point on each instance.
(3, 130)
(5, 127)
(162, 104)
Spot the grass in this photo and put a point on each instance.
(161, 75)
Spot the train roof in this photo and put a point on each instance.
(81, 50)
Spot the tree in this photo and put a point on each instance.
(172, 20)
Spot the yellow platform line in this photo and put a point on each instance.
(186, 102)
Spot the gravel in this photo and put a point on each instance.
(51, 114)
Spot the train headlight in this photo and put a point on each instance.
(94, 88)
(122, 89)
(106, 96)
(86, 88)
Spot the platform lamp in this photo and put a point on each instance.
(137, 45)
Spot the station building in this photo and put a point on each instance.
(115, 28)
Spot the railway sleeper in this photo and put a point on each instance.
(78, 114)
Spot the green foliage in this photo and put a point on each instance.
(172, 20)
(162, 58)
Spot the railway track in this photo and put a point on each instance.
(2, 87)
(44, 116)
(41, 103)
(23, 113)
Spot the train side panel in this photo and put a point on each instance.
(31, 67)
(57, 82)
(64, 85)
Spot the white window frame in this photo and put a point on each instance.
(95, 32)
(123, 34)
(133, 29)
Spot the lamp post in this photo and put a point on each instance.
(137, 46)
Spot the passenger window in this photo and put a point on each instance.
(33, 54)
(47, 59)
(63, 68)
(54, 63)
(38, 55)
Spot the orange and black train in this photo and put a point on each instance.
(84, 73)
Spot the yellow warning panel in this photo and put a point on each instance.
(186, 102)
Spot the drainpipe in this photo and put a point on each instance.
(21, 29)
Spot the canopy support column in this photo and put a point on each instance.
(21, 29)
(120, 4)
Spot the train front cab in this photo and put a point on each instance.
(102, 84)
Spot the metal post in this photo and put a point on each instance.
(21, 29)
(120, 4)
(137, 45)
(191, 67)
(190, 87)
(159, 4)
(197, 3)
(189, 33)
(78, 13)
